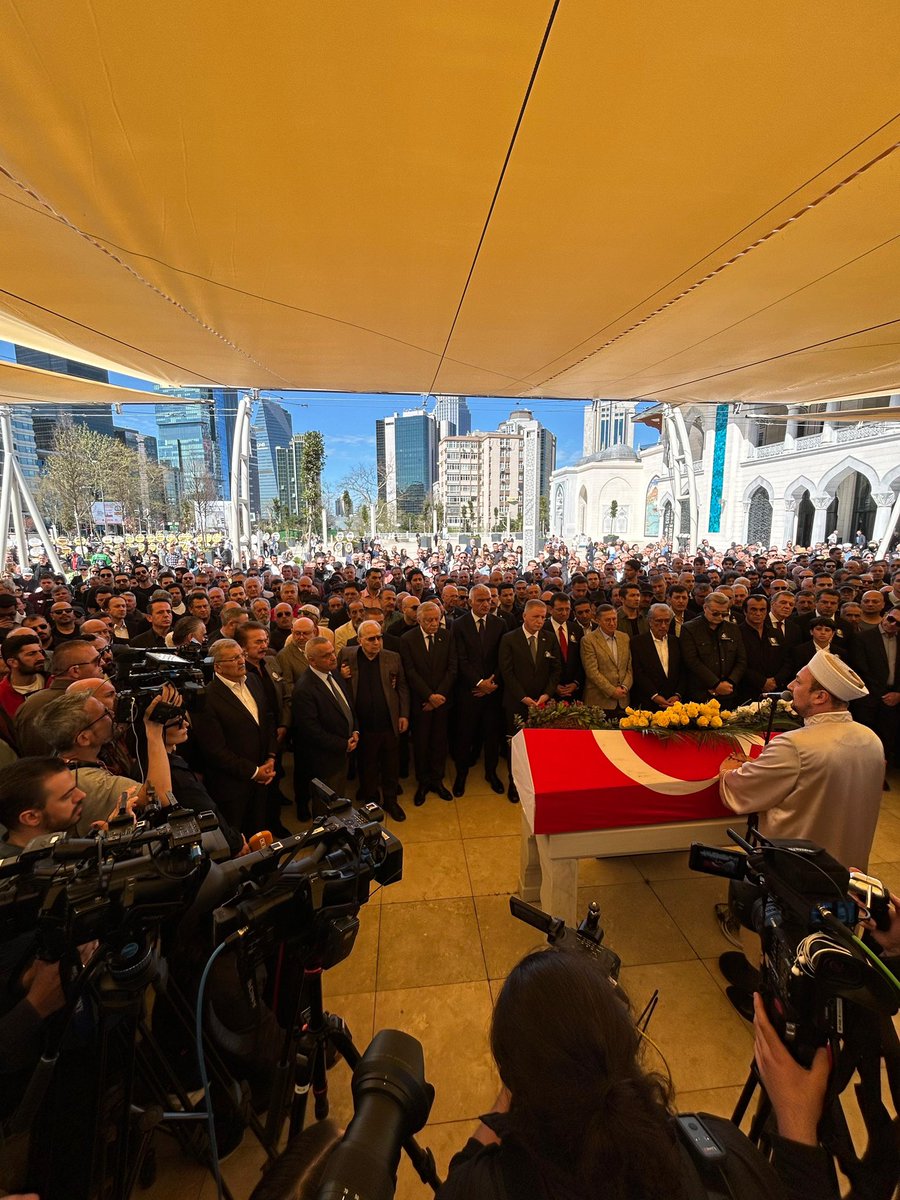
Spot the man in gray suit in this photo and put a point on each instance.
(381, 700)
(606, 658)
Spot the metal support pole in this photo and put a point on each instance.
(15, 505)
(12, 474)
(5, 486)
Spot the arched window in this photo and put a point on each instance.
(651, 510)
(759, 518)
(582, 510)
(695, 440)
(805, 516)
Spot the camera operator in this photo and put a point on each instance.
(78, 726)
(578, 1116)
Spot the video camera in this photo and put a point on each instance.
(140, 676)
(76, 890)
(310, 903)
(800, 901)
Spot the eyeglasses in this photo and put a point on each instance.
(892, 620)
(222, 662)
(106, 713)
(87, 663)
(60, 612)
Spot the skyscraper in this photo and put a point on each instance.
(225, 406)
(607, 423)
(452, 416)
(539, 461)
(273, 428)
(45, 417)
(406, 456)
(186, 431)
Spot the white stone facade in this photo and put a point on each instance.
(779, 480)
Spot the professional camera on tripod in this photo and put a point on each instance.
(140, 675)
(117, 889)
(821, 984)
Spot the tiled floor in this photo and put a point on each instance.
(434, 948)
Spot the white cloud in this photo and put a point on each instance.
(349, 439)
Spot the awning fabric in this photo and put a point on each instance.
(678, 201)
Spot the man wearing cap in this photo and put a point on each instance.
(821, 783)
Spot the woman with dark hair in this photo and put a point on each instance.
(579, 1117)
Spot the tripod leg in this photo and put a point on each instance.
(745, 1097)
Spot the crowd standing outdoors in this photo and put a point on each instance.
(365, 664)
(369, 667)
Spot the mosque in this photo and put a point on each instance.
(771, 474)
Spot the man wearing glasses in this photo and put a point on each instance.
(875, 656)
(62, 618)
(72, 660)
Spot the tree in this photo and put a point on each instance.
(347, 503)
(362, 486)
(199, 494)
(313, 463)
(80, 468)
(545, 514)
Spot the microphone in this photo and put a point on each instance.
(260, 840)
(785, 695)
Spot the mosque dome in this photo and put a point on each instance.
(617, 453)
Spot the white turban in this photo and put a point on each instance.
(833, 674)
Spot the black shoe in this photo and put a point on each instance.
(741, 1002)
(738, 971)
(419, 799)
(393, 810)
(495, 783)
(512, 794)
(459, 784)
(443, 792)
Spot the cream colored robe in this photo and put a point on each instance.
(822, 782)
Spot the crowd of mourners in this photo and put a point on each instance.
(365, 664)
(367, 667)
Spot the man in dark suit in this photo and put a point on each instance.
(159, 614)
(713, 653)
(380, 697)
(325, 728)
(478, 716)
(429, 660)
(235, 740)
(876, 657)
(530, 666)
(568, 634)
(656, 662)
(767, 654)
(786, 631)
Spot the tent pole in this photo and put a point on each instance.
(15, 504)
(5, 483)
(43, 532)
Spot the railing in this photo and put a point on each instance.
(864, 431)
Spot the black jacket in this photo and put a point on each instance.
(711, 656)
(229, 745)
(649, 677)
(524, 676)
(477, 657)
(320, 725)
(426, 674)
(571, 669)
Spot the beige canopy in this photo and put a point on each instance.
(657, 199)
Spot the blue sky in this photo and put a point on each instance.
(347, 420)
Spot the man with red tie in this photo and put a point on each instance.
(567, 634)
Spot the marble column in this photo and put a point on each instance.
(821, 505)
(884, 502)
(790, 522)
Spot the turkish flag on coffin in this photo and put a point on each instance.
(595, 779)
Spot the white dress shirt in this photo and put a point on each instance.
(662, 649)
(243, 693)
